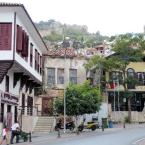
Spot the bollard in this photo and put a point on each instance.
(102, 127)
(58, 135)
(124, 125)
(77, 131)
(30, 137)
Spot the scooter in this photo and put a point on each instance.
(68, 125)
(90, 125)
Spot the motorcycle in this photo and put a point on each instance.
(69, 125)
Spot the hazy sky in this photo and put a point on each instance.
(110, 17)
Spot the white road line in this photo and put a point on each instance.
(138, 140)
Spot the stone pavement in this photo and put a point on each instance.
(52, 136)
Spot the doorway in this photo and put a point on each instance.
(47, 105)
(2, 113)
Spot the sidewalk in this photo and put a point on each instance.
(53, 136)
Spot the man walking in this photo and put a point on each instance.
(15, 132)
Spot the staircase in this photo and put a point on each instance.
(44, 124)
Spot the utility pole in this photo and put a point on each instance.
(114, 99)
(65, 45)
(65, 91)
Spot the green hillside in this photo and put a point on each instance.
(53, 32)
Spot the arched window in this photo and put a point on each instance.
(130, 72)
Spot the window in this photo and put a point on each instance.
(141, 78)
(37, 60)
(51, 76)
(5, 36)
(22, 43)
(23, 104)
(40, 65)
(130, 72)
(73, 76)
(19, 39)
(7, 84)
(60, 76)
(30, 106)
(31, 54)
(115, 76)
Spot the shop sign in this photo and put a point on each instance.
(9, 98)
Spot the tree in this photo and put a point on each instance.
(127, 48)
(95, 64)
(80, 99)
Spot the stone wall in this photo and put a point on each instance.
(28, 123)
(120, 116)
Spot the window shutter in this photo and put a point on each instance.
(31, 54)
(35, 59)
(23, 41)
(25, 45)
(38, 62)
(19, 38)
(5, 36)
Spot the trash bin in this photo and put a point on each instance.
(104, 122)
(110, 124)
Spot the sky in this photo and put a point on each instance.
(110, 17)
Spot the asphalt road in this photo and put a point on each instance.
(120, 137)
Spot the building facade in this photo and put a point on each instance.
(61, 68)
(21, 50)
(117, 98)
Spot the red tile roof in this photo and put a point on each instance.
(70, 52)
(10, 4)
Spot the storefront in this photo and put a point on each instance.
(119, 101)
(8, 107)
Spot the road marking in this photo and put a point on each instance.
(138, 140)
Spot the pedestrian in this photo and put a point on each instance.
(15, 131)
(5, 136)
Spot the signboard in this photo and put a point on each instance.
(8, 98)
(140, 88)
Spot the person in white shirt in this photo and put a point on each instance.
(15, 129)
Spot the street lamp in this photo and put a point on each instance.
(65, 45)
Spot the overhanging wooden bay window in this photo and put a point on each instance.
(5, 36)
